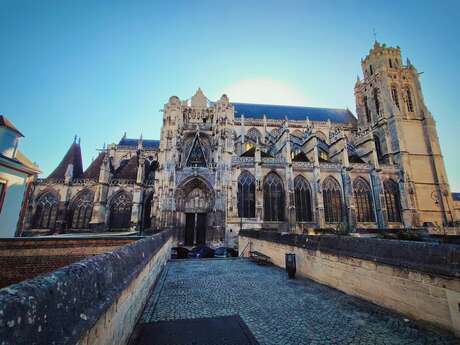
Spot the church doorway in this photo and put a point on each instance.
(195, 228)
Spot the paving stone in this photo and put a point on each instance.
(276, 309)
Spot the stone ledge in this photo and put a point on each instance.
(61, 306)
(435, 258)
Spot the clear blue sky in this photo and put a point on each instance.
(99, 68)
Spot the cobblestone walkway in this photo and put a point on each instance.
(278, 310)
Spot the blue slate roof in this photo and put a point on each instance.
(147, 143)
(456, 196)
(280, 112)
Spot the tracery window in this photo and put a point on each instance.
(363, 201)
(254, 134)
(376, 101)
(196, 156)
(394, 95)
(332, 198)
(273, 198)
(120, 211)
(246, 195)
(378, 149)
(81, 210)
(302, 193)
(410, 104)
(392, 200)
(46, 212)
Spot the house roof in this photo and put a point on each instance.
(280, 112)
(4, 122)
(146, 143)
(20, 163)
(73, 156)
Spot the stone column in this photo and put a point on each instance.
(99, 216)
(317, 190)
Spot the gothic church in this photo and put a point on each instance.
(221, 166)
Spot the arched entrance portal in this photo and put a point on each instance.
(195, 198)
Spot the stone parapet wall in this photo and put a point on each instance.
(25, 258)
(419, 280)
(94, 301)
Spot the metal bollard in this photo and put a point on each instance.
(290, 265)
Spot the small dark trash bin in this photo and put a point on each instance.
(290, 265)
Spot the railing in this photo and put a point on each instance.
(303, 165)
(360, 166)
(330, 166)
(119, 182)
(243, 160)
(270, 160)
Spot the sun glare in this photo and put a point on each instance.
(265, 91)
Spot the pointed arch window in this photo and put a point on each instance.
(363, 201)
(120, 211)
(392, 200)
(394, 95)
(302, 193)
(378, 149)
(332, 198)
(366, 108)
(81, 210)
(254, 134)
(147, 222)
(246, 195)
(273, 198)
(376, 101)
(46, 212)
(196, 157)
(410, 104)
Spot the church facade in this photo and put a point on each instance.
(221, 166)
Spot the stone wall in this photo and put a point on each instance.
(25, 258)
(94, 301)
(419, 280)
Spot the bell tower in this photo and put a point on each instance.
(390, 106)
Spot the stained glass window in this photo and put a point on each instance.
(332, 199)
(302, 193)
(363, 201)
(246, 195)
(392, 200)
(273, 198)
(46, 212)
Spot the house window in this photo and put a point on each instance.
(246, 195)
(363, 201)
(332, 200)
(302, 193)
(394, 95)
(273, 198)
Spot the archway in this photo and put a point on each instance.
(195, 198)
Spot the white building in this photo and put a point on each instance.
(16, 176)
